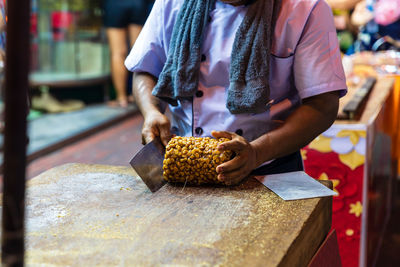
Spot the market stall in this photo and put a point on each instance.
(360, 155)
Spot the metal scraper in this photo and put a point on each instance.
(295, 185)
(148, 164)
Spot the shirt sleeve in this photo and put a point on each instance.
(148, 53)
(317, 61)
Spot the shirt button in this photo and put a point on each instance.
(174, 130)
(198, 130)
(203, 58)
(199, 93)
(239, 132)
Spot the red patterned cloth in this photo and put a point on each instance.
(347, 206)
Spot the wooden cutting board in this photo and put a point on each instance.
(86, 215)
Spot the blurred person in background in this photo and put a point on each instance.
(123, 20)
(346, 31)
(379, 24)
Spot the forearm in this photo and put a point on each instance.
(142, 86)
(155, 124)
(314, 116)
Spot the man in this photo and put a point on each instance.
(304, 78)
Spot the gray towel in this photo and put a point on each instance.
(249, 71)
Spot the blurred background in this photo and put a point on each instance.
(76, 114)
(70, 75)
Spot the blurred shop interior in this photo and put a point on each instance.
(70, 74)
(69, 51)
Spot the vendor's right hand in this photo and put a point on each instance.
(155, 125)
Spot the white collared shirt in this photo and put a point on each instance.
(305, 62)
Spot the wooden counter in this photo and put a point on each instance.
(86, 215)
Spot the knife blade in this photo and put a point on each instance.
(148, 163)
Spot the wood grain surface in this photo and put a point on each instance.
(86, 215)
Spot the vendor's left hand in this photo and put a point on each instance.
(245, 160)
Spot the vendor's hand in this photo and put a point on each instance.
(245, 160)
(155, 125)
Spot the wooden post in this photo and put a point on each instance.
(15, 138)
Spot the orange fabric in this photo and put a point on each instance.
(394, 115)
(397, 120)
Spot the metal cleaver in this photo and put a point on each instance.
(148, 164)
